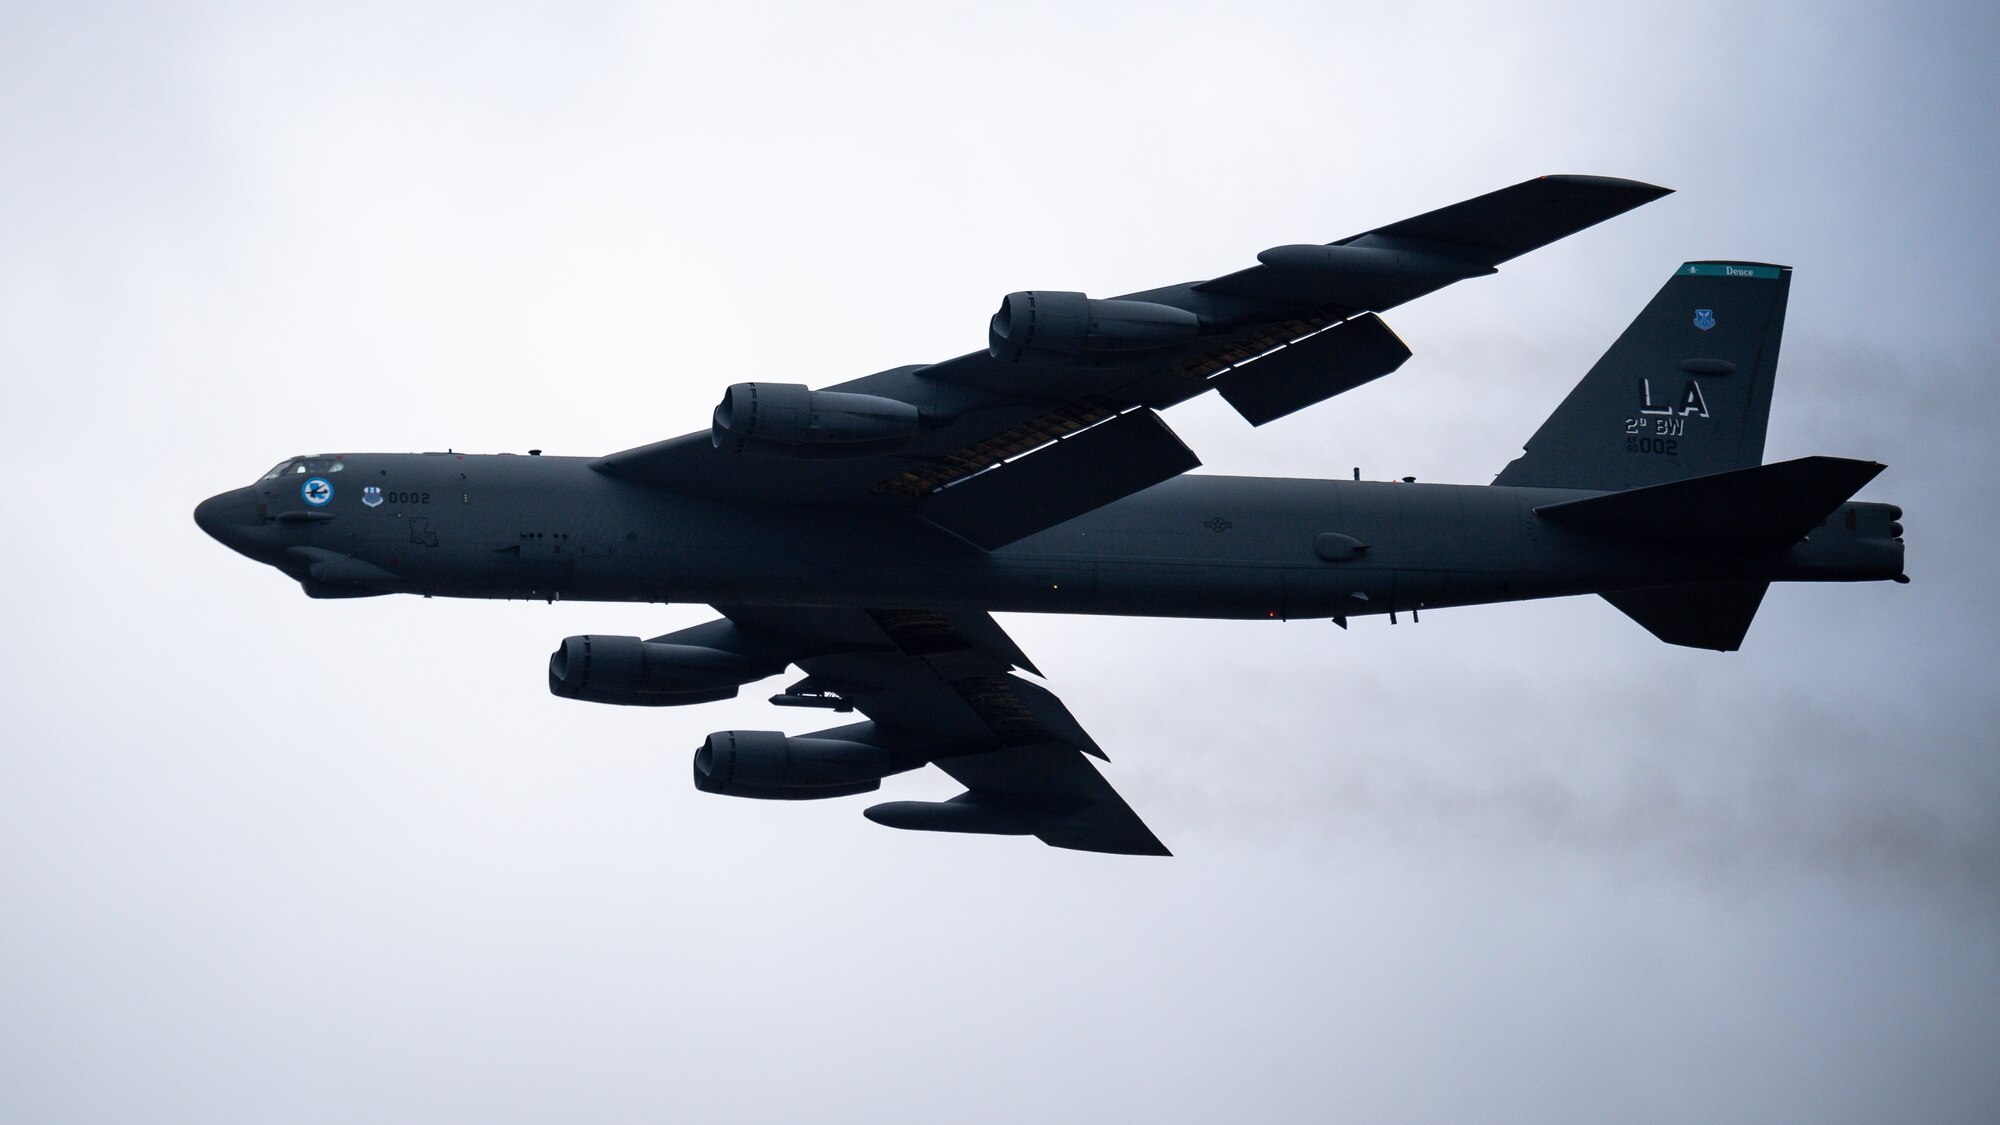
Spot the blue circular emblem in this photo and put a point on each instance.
(316, 491)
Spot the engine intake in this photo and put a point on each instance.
(629, 671)
(1045, 324)
(792, 416)
(771, 765)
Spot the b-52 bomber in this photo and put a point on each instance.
(863, 533)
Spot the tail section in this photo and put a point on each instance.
(1767, 506)
(1685, 392)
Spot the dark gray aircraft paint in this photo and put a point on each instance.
(863, 533)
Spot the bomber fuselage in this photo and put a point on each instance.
(507, 526)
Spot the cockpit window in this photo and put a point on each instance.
(304, 466)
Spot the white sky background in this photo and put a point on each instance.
(265, 859)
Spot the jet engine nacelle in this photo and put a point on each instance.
(627, 670)
(794, 417)
(771, 765)
(1044, 324)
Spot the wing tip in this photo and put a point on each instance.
(1608, 184)
(1150, 846)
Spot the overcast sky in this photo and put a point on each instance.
(267, 859)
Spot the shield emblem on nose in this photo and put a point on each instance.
(371, 496)
(1704, 319)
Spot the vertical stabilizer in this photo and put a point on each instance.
(1685, 392)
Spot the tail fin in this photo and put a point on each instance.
(1685, 392)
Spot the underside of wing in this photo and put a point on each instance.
(1061, 402)
(936, 688)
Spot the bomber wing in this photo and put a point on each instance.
(940, 687)
(1057, 415)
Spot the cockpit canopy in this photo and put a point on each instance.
(306, 466)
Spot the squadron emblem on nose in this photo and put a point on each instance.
(1704, 319)
(371, 496)
(316, 492)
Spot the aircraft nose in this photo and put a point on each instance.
(227, 516)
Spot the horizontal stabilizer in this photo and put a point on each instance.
(1765, 506)
(1314, 369)
(1714, 616)
(1060, 481)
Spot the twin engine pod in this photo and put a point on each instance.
(793, 418)
(1049, 326)
(629, 671)
(1045, 326)
(773, 766)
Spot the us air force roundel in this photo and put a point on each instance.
(316, 491)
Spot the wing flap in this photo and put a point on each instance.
(1131, 452)
(1314, 369)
